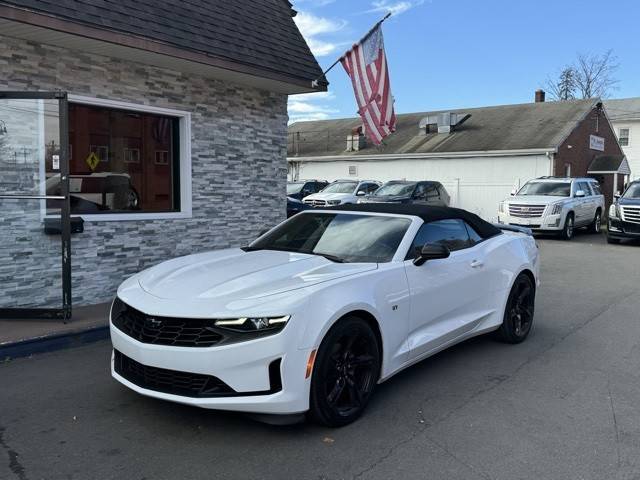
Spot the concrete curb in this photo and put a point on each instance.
(50, 343)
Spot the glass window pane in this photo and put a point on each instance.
(122, 161)
(450, 233)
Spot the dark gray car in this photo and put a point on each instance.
(404, 191)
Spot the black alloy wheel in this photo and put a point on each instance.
(345, 373)
(597, 223)
(518, 315)
(569, 227)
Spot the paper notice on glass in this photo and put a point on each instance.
(56, 162)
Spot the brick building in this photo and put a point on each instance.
(176, 118)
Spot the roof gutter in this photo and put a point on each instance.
(421, 156)
(142, 43)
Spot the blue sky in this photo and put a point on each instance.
(465, 53)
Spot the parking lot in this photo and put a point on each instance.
(562, 405)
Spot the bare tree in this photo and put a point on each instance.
(591, 76)
(595, 74)
(564, 87)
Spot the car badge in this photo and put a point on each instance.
(153, 323)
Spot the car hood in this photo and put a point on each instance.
(328, 196)
(231, 275)
(535, 199)
(629, 201)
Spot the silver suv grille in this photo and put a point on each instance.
(526, 211)
(316, 203)
(630, 214)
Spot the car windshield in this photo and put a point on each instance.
(294, 187)
(551, 189)
(633, 191)
(340, 187)
(337, 236)
(396, 189)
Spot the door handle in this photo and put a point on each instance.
(477, 264)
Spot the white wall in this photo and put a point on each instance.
(476, 184)
(632, 151)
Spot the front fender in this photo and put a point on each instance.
(382, 293)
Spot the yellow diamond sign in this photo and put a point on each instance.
(93, 161)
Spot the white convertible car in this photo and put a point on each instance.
(317, 311)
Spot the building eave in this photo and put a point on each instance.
(420, 156)
(50, 30)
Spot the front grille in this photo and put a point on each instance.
(170, 381)
(526, 211)
(630, 213)
(316, 203)
(177, 332)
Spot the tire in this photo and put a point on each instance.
(519, 312)
(345, 373)
(595, 227)
(569, 228)
(613, 241)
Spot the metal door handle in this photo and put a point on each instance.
(477, 264)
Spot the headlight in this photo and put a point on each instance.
(557, 209)
(614, 211)
(253, 324)
(501, 207)
(334, 202)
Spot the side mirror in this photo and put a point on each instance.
(580, 194)
(513, 192)
(431, 251)
(360, 193)
(616, 196)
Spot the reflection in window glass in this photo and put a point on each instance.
(121, 161)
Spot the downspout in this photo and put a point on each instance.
(552, 163)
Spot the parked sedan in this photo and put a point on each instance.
(423, 193)
(295, 206)
(303, 188)
(312, 315)
(624, 215)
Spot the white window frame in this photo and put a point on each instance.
(628, 137)
(185, 161)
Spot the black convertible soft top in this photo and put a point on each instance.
(426, 213)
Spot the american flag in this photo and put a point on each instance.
(366, 65)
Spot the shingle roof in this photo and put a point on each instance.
(257, 33)
(609, 163)
(508, 127)
(622, 109)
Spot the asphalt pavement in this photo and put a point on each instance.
(563, 405)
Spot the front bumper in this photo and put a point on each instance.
(545, 223)
(244, 367)
(617, 228)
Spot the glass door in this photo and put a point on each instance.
(35, 253)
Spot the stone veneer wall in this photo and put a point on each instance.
(238, 172)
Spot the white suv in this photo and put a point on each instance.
(552, 204)
(341, 192)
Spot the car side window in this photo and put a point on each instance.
(432, 191)
(474, 237)
(420, 191)
(584, 186)
(595, 186)
(372, 187)
(451, 233)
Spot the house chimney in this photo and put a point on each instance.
(540, 96)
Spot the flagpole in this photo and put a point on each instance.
(314, 83)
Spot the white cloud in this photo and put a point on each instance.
(311, 106)
(313, 27)
(396, 8)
